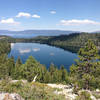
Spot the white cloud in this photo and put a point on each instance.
(23, 14)
(53, 12)
(8, 21)
(36, 16)
(36, 49)
(78, 22)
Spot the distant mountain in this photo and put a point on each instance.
(96, 32)
(57, 32)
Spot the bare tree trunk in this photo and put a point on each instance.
(34, 78)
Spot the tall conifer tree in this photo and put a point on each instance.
(86, 66)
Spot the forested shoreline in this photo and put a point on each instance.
(72, 42)
(84, 74)
(88, 56)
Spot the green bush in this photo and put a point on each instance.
(30, 91)
(84, 96)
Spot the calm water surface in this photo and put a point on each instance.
(16, 35)
(43, 53)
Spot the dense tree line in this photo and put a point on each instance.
(87, 68)
(4, 47)
(85, 73)
(31, 68)
(72, 42)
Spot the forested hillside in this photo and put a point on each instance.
(4, 47)
(72, 42)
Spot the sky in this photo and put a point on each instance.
(76, 15)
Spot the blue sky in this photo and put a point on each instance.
(78, 15)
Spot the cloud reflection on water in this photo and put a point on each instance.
(36, 49)
(24, 51)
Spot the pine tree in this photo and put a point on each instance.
(30, 69)
(41, 73)
(86, 66)
(64, 74)
(18, 62)
(16, 73)
(47, 77)
(6, 66)
(52, 70)
(10, 63)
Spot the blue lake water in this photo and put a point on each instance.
(16, 35)
(43, 53)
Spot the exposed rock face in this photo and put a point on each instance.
(14, 81)
(66, 90)
(12, 96)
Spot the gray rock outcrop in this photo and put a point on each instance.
(12, 96)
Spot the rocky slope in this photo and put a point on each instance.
(12, 96)
(67, 90)
(41, 91)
